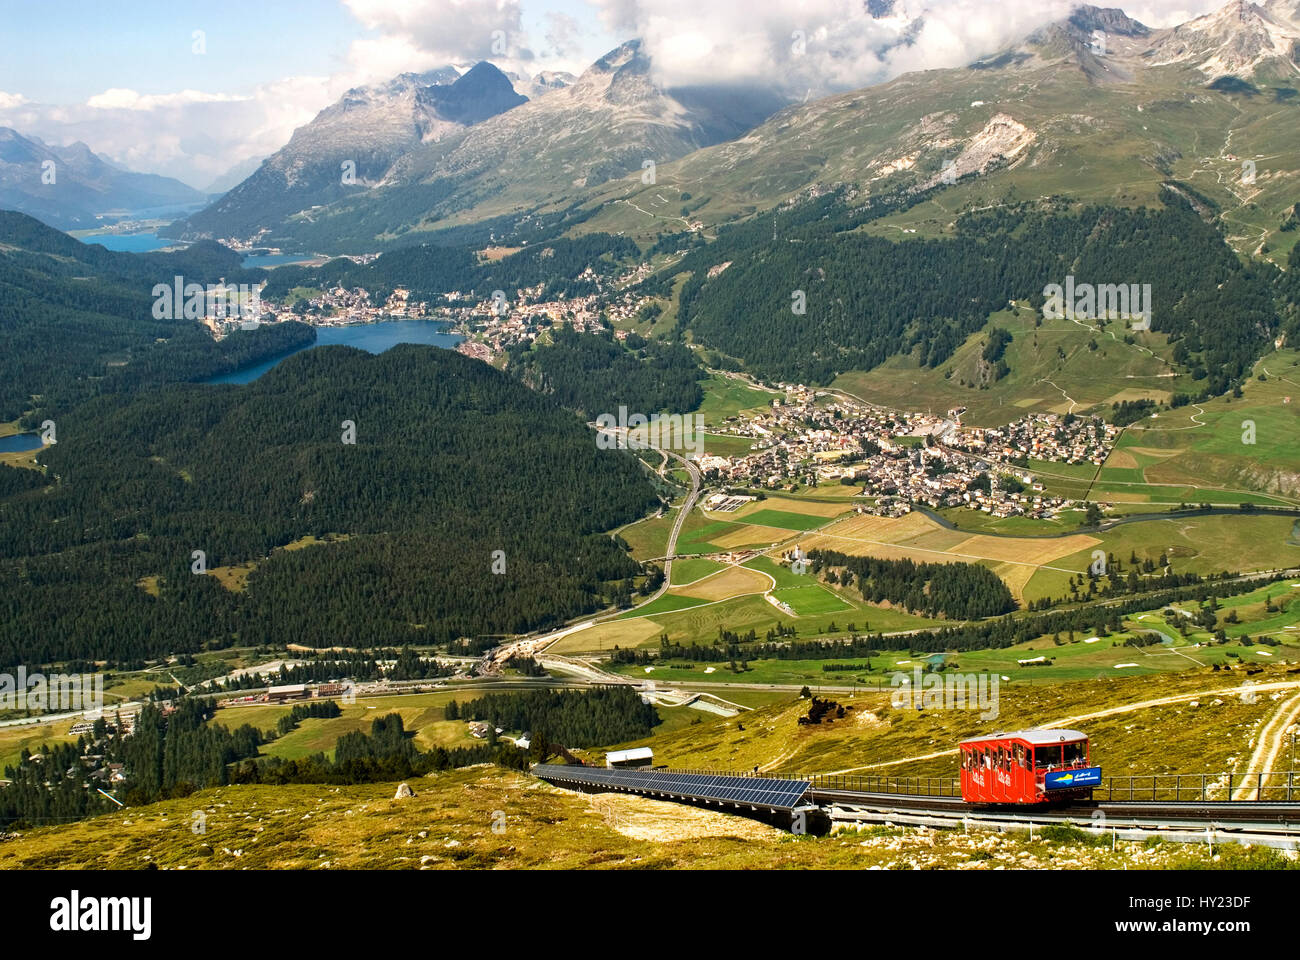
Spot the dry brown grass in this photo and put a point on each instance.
(732, 582)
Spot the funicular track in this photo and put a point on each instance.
(936, 803)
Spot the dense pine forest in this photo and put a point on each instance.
(76, 320)
(959, 591)
(595, 373)
(574, 718)
(870, 298)
(467, 505)
(430, 271)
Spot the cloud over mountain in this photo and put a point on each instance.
(832, 45)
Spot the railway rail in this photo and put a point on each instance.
(937, 803)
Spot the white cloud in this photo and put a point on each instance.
(119, 98)
(748, 41)
(449, 29)
(191, 135)
(198, 135)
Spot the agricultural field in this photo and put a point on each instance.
(725, 397)
(917, 537)
(699, 621)
(649, 537)
(1197, 544)
(810, 600)
(692, 569)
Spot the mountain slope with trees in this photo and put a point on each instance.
(467, 505)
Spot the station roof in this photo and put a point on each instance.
(1034, 737)
(623, 756)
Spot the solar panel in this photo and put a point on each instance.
(755, 791)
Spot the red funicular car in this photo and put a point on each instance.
(1031, 766)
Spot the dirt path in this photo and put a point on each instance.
(1273, 740)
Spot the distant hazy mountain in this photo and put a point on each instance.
(605, 124)
(233, 177)
(541, 83)
(85, 185)
(352, 145)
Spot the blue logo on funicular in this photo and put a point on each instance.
(1064, 779)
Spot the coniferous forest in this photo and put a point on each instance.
(468, 504)
(959, 591)
(869, 298)
(77, 321)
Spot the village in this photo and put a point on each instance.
(907, 459)
(900, 459)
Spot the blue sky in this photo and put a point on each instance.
(90, 46)
(122, 75)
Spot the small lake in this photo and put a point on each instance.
(275, 259)
(129, 242)
(148, 242)
(20, 443)
(371, 337)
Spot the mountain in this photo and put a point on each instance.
(1094, 106)
(233, 177)
(1240, 39)
(85, 185)
(541, 83)
(609, 122)
(353, 144)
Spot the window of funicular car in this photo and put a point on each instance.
(1047, 755)
(1076, 752)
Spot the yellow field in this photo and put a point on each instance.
(233, 578)
(1122, 458)
(917, 537)
(1029, 550)
(1016, 576)
(751, 534)
(786, 505)
(732, 582)
(606, 636)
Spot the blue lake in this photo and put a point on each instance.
(20, 443)
(274, 259)
(371, 337)
(146, 242)
(129, 242)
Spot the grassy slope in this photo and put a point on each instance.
(448, 824)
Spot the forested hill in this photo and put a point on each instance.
(76, 320)
(452, 461)
(596, 373)
(869, 298)
(429, 271)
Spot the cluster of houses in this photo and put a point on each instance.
(905, 459)
(1044, 436)
(339, 307)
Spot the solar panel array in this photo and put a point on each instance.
(754, 791)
